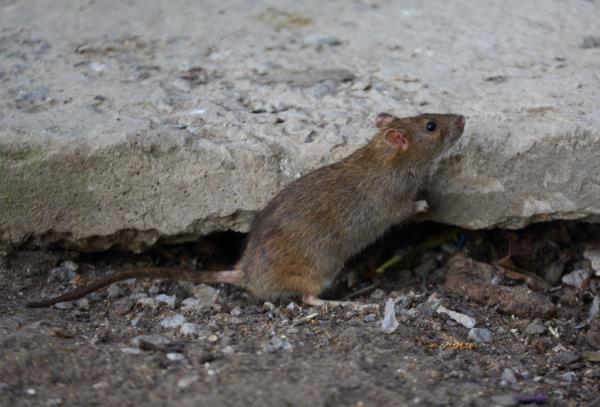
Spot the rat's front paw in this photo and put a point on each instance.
(421, 206)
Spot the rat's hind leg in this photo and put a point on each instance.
(313, 300)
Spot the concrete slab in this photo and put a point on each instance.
(124, 123)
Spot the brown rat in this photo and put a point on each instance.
(300, 241)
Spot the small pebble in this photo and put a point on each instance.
(123, 305)
(186, 381)
(236, 312)
(194, 330)
(31, 392)
(377, 295)
(148, 302)
(213, 338)
(175, 357)
(205, 293)
(589, 356)
(535, 328)
(508, 376)
(100, 385)
(276, 343)
(480, 335)
(173, 321)
(166, 299)
(114, 291)
(64, 273)
(83, 304)
(565, 358)
(389, 323)
(370, 318)
(70, 265)
(592, 254)
(64, 305)
(194, 305)
(190, 302)
(136, 320)
(576, 278)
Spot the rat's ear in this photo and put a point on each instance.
(383, 120)
(396, 139)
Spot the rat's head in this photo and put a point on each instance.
(421, 137)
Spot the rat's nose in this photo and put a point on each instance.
(460, 121)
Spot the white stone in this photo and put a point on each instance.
(166, 299)
(576, 278)
(194, 330)
(389, 323)
(592, 254)
(462, 319)
(175, 357)
(173, 321)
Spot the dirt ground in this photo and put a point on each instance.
(235, 350)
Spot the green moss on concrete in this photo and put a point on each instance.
(37, 188)
(62, 192)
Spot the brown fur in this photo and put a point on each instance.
(300, 241)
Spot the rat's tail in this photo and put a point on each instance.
(197, 277)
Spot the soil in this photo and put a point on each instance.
(251, 353)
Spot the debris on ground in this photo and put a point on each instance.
(475, 280)
(480, 324)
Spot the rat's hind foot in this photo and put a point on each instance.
(421, 206)
(315, 301)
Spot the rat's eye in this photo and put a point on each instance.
(430, 126)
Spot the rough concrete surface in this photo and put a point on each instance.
(129, 122)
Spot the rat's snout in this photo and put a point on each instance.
(457, 126)
(459, 122)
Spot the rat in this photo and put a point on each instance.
(300, 241)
